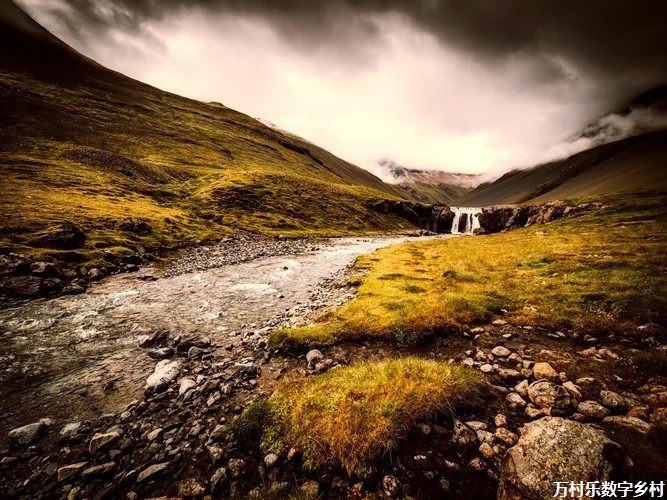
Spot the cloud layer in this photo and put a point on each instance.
(472, 86)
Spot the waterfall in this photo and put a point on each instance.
(471, 219)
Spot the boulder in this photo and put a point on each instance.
(46, 270)
(545, 371)
(67, 237)
(613, 400)
(552, 398)
(28, 434)
(463, 435)
(592, 409)
(554, 449)
(633, 424)
(23, 287)
(165, 372)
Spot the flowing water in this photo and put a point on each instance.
(75, 357)
(470, 216)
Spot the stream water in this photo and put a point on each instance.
(75, 357)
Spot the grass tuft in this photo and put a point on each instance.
(351, 416)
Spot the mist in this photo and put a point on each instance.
(506, 87)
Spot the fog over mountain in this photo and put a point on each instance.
(467, 87)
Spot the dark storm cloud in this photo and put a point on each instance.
(613, 38)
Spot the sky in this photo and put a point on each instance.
(474, 86)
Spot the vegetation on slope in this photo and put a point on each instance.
(190, 170)
(350, 416)
(601, 272)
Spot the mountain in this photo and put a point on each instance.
(430, 186)
(627, 151)
(88, 146)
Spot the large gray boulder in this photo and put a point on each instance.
(555, 449)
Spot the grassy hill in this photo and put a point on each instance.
(85, 145)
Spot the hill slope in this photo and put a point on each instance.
(86, 145)
(430, 186)
(623, 165)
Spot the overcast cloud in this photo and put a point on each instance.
(469, 86)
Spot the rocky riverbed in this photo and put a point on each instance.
(179, 358)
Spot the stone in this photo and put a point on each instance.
(164, 373)
(506, 436)
(501, 351)
(271, 460)
(391, 485)
(486, 450)
(100, 440)
(98, 470)
(509, 374)
(185, 384)
(46, 270)
(574, 391)
(592, 409)
(476, 425)
(236, 467)
(195, 352)
(522, 388)
(659, 419)
(628, 423)
(95, 274)
(310, 490)
(70, 430)
(27, 434)
(161, 352)
(217, 479)
(69, 470)
(555, 449)
(151, 471)
(25, 287)
(552, 398)
(532, 412)
(545, 371)
(66, 237)
(515, 399)
(613, 400)
(499, 322)
(154, 434)
(486, 368)
(313, 357)
(463, 435)
(485, 436)
(218, 433)
(500, 420)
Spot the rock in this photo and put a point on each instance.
(391, 485)
(630, 423)
(509, 374)
(552, 398)
(135, 226)
(152, 470)
(463, 435)
(271, 460)
(161, 353)
(154, 434)
(310, 490)
(46, 270)
(312, 358)
(574, 391)
(485, 436)
(533, 412)
(185, 384)
(500, 420)
(95, 274)
(515, 399)
(555, 449)
(659, 420)
(23, 287)
(67, 237)
(613, 400)
(501, 351)
(545, 371)
(499, 322)
(476, 425)
(486, 450)
(28, 434)
(217, 479)
(70, 430)
(592, 409)
(236, 467)
(98, 470)
(69, 470)
(506, 436)
(195, 352)
(165, 372)
(522, 388)
(486, 368)
(99, 440)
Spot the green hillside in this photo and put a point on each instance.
(85, 145)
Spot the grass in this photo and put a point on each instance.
(112, 148)
(598, 273)
(351, 416)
